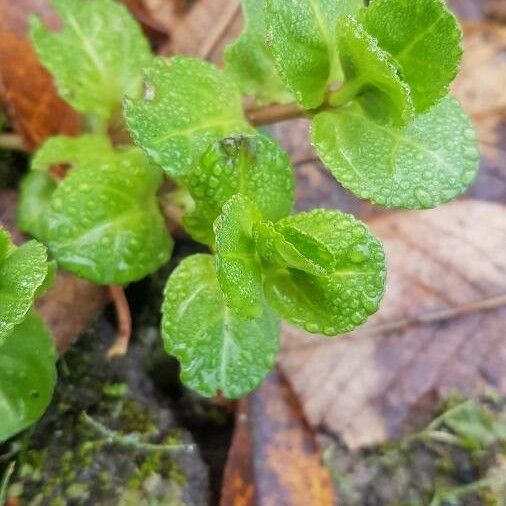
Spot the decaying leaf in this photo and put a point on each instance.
(274, 458)
(362, 386)
(486, 103)
(26, 89)
(205, 29)
(69, 306)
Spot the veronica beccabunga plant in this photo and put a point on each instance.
(374, 82)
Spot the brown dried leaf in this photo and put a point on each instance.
(484, 98)
(362, 387)
(274, 459)
(69, 306)
(206, 29)
(26, 89)
(478, 10)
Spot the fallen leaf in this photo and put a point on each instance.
(363, 386)
(205, 29)
(484, 98)
(274, 459)
(478, 10)
(157, 18)
(69, 306)
(26, 89)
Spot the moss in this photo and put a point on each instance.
(67, 461)
(468, 464)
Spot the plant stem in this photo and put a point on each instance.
(120, 346)
(347, 92)
(4, 485)
(274, 113)
(11, 142)
(131, 440)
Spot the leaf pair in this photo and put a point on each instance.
(387, 134)
(397, 143)
(384, 53)
(322, 270)
(27, 355)
(102, 222)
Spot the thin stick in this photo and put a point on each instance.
(428, 318)
(132, 440)
(274, 113)
(11, 142)
(120, 346)
(220, 28)
(438, 316)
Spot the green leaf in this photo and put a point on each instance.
(6, 245)
(275, 249)
(189, 105)
(22, 271)
(254, 166)
(237, 265)
(87, 149)
(371, 77)
(429, 162)
(249, 60)
(36, 191)
(27, 375)
(424, 38)
(105, 224)
(98, 56)
(302, 35)
(477, 427)
(348, 291)
(218, 350)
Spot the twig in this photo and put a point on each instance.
(438, 316)
(219, 28)
(132, 440)
(274, 113)
(11, 142)
(432, 317)
(120, 346)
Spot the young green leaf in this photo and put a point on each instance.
(219, 351)
(424, 38)
(237, 265)
(275, 249)
(189, 105)
(22, 271)
(105, 224)
(98, 56)
(27, 375)
(87, 149)
(249, 60)
(427, 163)
(254, 166)
(302, 35)
(348, 291)
(371, 77)
(36, 190)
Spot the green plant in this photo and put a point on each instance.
(381, 121)
(27, 354)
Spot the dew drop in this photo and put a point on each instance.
(423, 197)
